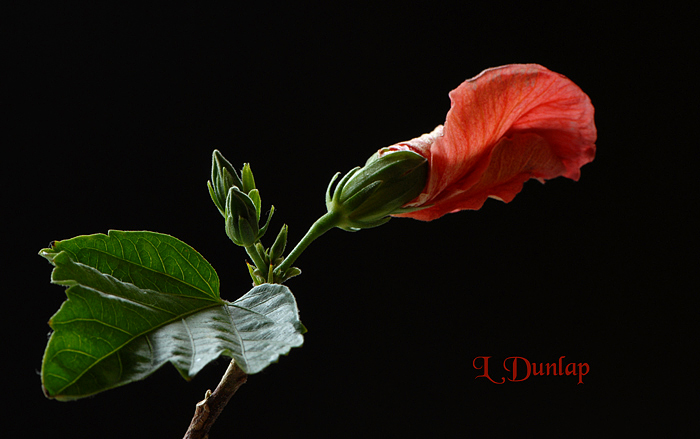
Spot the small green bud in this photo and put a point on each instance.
(223, 177)
(277, 249)
(365, 197)
(263, 254)
(238, 201)
(241, 218)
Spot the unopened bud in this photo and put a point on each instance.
(223, 178)
(242, 213)
(238, 201)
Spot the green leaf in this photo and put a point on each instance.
(137, 300)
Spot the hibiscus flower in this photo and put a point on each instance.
(505, 126)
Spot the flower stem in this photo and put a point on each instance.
(257, 259)
(321, 226)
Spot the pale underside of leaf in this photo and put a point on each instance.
(111, 332)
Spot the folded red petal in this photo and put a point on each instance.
(505, 126)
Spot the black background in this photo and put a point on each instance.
(117, 111)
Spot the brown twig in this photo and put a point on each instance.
(208, 409)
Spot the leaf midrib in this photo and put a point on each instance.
(99, 359)
(162, 273)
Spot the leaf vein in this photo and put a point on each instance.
(162, 273)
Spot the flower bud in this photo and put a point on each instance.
(223, 178)
(241, 219)
(238, 201)
(365, 197)
(242, 213)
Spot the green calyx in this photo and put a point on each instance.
(366, 197)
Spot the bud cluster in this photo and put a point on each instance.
(365, 197)
(238, 201)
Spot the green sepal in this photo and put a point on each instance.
(290, 273)
(246, 233)
(254, 196)
(263, 254)
(215, 199)
(263, 230)
(392, 168)
(271, 275)
(338, 194)
(228, 180)
(411, 209)
(247, 178)
(359, 225)
(219, 164)
(232, 231)
(254, 275)
(361, 196)
(240, 204)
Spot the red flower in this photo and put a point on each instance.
(505, 126)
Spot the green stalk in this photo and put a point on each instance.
(321, 226)
(257, 259)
